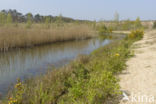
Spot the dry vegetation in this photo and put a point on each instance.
(38, 34)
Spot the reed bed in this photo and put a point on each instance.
(20, 37)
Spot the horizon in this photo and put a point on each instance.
(86, 10)
(80, 19)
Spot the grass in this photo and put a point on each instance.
(38, 34)
(87, 80)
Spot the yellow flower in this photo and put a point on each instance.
(10, 98)
(117, 54)
(12, 101)
(18, 85)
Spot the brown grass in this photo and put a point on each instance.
(17, 37)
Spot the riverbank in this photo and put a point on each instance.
(30, 62)
(139, 78)
(21, 37)
(88, 79)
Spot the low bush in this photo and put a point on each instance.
(154, 25)
(102, 30)
(136, 34)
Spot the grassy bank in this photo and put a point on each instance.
(38, 34)
(87, 80)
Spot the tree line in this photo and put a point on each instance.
(13, 16)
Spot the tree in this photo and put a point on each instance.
(2, 18)
(9, 18)
(37, 18)
(138, 23)
(29, 20)
(59, 20)
(116, 17)
(47, 21)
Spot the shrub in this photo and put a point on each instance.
(47, 22)
(9, 18)
(29, 20)
(154, 25)
(102, 85)
(138, 24)
(3, 17)
(136, 34)
(102, 30)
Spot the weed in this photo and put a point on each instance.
(136, 34)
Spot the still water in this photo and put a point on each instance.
(25, 63)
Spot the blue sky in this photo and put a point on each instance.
(86, 9)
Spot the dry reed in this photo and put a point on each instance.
(17, 37)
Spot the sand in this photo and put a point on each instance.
(138, 82)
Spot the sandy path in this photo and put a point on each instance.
(139, 80)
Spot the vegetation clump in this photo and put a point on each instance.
(128, 25)
(154, 25)
(136, 34)
(104, 32)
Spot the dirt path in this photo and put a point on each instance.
(138, 82)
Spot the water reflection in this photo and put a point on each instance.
(33, 61)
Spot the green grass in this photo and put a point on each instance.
(87, 80)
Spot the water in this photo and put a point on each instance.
(25, 63)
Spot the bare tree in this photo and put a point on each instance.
(116, 17)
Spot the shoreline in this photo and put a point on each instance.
(49, 43)
(83, 76)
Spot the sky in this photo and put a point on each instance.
(86, 9)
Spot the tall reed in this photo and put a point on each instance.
(17, 37)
